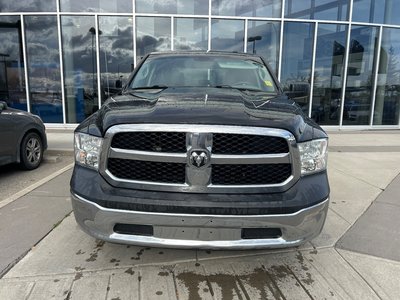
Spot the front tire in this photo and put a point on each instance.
(31, 151)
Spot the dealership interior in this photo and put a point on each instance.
(61, 59)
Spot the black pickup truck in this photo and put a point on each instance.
(201, 150)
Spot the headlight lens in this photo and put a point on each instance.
(87, 150)
(313, 156)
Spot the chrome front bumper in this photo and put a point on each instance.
(200, 231)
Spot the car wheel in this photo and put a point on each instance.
(31, 151)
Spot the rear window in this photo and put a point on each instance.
(203, 71)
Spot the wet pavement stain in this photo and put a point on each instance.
(79, 269)
(92, 257)
(161, 253)
(117, 298)
(163, 273)
(300, 258)
(80, 252)
(97, 248)
(138, 254)
(130, 271)
(78, 276)
(159, 293)
(315, 251)
(113, 260)
(56, 280)
(192, 282)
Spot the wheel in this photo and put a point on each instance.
(31, 151)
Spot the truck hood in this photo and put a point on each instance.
(212, 106)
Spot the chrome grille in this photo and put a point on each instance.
(174, 142)
(224, 143)
(250, 174)
(239, 159)
(147, 170)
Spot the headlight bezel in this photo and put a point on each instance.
(87, 150)
(313, 156)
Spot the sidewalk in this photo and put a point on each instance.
(355, 257)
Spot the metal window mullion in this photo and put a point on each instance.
(375, 82)
(63, 100)
(280, 54)
(346, 62)
(25, 63)
(134, 33)
(209, 26)
(246, 26)
(314, 56)
(97, 36)
(172, 33)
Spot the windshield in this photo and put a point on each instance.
(204, 70)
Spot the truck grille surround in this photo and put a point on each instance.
(200, 158)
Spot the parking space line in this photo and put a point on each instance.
(34, 186)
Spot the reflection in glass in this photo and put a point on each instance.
(357, 104)
(116, 53)
(387, 98)
(263, 40)
(296, 60)
(28, 6)
(190, 7)
(114, 6)
(80, 75)
(328, 74)
(248, 8)
(335, 10)
(12, 78)
(152, 34)
(44, 67)
(190, 34)
(227, 35)
(372, 11)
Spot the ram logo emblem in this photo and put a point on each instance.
(199, 158)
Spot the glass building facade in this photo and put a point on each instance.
(61, 59)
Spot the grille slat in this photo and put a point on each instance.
(224, 143)
(250, 174)
(147, 170)
(172, 142)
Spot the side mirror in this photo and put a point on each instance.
(3, 106)
(118, 84)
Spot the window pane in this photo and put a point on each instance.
(152, 34)
(80, 75)
(116, 53)
(263, 39)
(357, 105)
(44, 67)
(335, 10)
(114, 6)
(12, 77)
(388, 90)
(296, 59)
(190, 7)
(227, 35)
(252, 8)
(190, 34)
(328, 75)
(372, 11)
(28, 6)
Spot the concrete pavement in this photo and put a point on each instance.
(355, 257)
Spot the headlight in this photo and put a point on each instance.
(313, 156)
(87, 150)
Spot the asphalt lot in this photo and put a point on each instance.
(355, 257)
